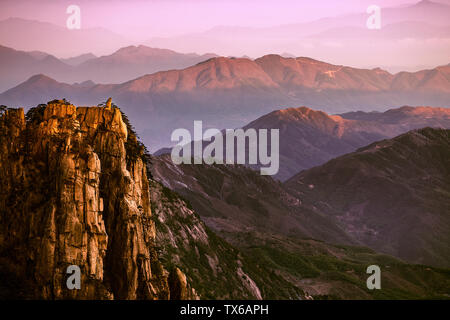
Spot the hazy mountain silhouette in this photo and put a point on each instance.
(29, 35)
(74, 61)
(134, 61)
(231, 92)
(122, 65)
(19, 65)
(407, 33)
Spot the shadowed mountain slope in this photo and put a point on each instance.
(393, 195)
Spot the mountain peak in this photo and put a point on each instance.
(424, 3)
(422, 111)
(77, 60)
(142, 50)
(301, 113)
(40, 78)
(428, 4)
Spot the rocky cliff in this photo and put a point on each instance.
(215, 268)
(74, 191)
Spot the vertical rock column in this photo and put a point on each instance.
(73, 230)
(124, 185)
(71, 195)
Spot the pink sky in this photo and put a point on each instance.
(140, 19)
(143, 21)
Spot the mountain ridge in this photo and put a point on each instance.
(231, 92)
(381, 192)
(122, 65)
(338, 44)
(308, 137)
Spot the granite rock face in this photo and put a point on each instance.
(73, 193)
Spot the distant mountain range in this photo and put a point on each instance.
(134, 61)
(16, 66)
(124, 64)
(231, 92)
(30, 35)
(408, 34)
(411, 35)
(75, 61)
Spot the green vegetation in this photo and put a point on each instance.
(134, 147)
(3, 109)
(36, 114)
(343, 269)
(60, 101)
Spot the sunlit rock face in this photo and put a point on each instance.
(73, 193)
